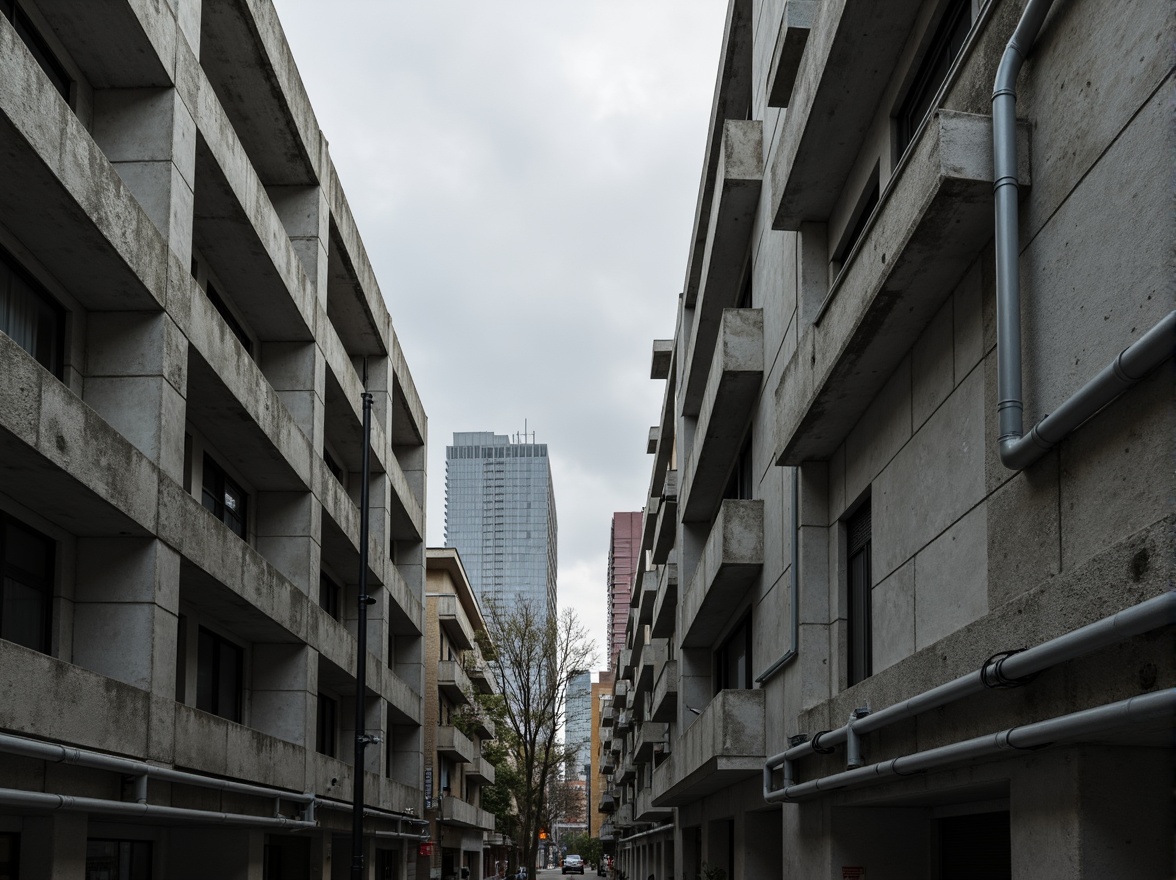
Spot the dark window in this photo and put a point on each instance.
(26, 563)
(222, 307)
(740, 484)
(218, 676)
(328, 714)
(31, 316)
(9, 856)
(945, 45)
(37, 46)
(223, 497)
(861, 215)
(329, 596)
(333, 466)
(118, 860)
(733, 659)
(858, 584)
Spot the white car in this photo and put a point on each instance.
(573, 864)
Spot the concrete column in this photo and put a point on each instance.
(406, 754)
(282, 701)
(54, 847)
(304, 213)
(374, 722)
(298, 373)
(126, 605)
(288, 526)
(137, 380)
(188, 17)
(150, 138)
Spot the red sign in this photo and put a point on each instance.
(426, 850)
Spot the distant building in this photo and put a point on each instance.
(455, 770)
(600, 804)
(500, 515)
(623, 558)
(578, 723)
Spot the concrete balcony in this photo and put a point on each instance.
(620, 693)
(652, 658)
(608, 763)
(484, 725)
(665, 529)
(626, 772)
(649, 519)
(664, 703)
(606, 716)
(454, 621)
(647, 735)
(738, 184)
(608, 804)
(624, 722)
(731, 561)
(608, 832)
(826, 121)
(666, 605)
(931, 224)
(453, 682)
(481, 770)
(651, 440)
(625, 663)
(724, 745)
(646, 597)
(795, 24)
(623, 817)
(615, 745)
(736, 374)
(666, 433)
(644, 809)
(663, 355)
(460, 814)
(483, 679)
(452, 743)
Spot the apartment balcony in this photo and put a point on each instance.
(666, 606)
(616, 744)
(620, 692)
(608, 804)
(649, 520)
(664, 703)
(484, 725)
(665, 528)
(663, 356)
(647, 735)
(624, 722)
(481, 770)
(666, 433)
(608, 832)
(931, 224)
(795, 24)
(724, 745)
(606, 716)
(625, 663)
(731, 561)
(651, 440)
(453, 682)
(623, 817)
(454, 621)
(733, 384)
(608, 763)
(735, 199)
(645, 811)
(452, 743)
(652, 657)
(483, 679)
(458, 813)
(627, 771)
(827, 120)
(646, 597)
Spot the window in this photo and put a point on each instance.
(740, 484)
(867, 201)
(9, 856)
(943, 49)
(26, 591)
(329, 596)
(733, 659)
(37, 46)
(223, 497)
(30, 316)
(858, 599)
(218, 676)
(328, 719)
(333, 466)
(236, 326)
(118, 860)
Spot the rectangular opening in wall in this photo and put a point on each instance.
(223, 497)
(327, 725)
(30, 316)
(856, 225)
(858, 583)
(219, 676)
(37, 46)
(733, 659)
(26, 587)
(941, 51)
(9, 855)
(974, 847)
(118, 859)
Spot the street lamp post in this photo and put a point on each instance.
(362, 740)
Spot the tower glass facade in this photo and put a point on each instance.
(500, 515)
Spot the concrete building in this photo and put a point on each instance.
(188, 321)
(623, 548)
(500, 515)
(455, 769)
(849, 541)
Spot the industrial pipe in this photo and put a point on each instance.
(658, 830)
(1098, 721)
(793, 585)
(1017, 449)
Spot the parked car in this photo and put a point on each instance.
(573, 864)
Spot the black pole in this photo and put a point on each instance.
(361, 739)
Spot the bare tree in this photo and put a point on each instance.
(536, 655)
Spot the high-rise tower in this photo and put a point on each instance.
(500, 515)
(623, 550)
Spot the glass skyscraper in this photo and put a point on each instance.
(500, 515)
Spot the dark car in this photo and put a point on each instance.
(573, 864)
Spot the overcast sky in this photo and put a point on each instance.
(524, 174)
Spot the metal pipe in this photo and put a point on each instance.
(1017, 449)
(361, 738)
(40, 800)
(658, 830)
(1098, 721)
(793, 585)
(62, 754)
(1138, 619)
